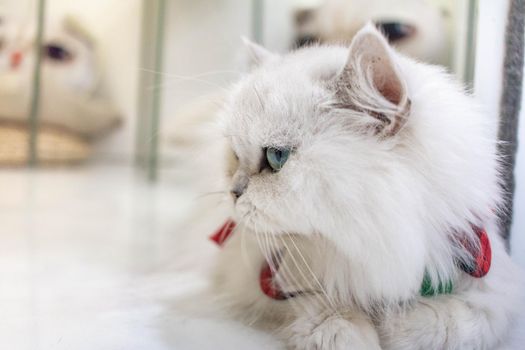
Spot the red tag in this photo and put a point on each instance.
(222, 234)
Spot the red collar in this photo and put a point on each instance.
(479, 268)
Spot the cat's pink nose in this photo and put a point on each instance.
(16, 59)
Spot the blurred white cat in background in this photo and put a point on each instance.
(417, 28)
(73, 105)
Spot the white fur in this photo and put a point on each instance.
(361, 214)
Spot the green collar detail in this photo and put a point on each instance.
(427, 290)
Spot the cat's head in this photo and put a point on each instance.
(304, 125)
(377, 153)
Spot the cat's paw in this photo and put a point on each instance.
(420, 328)
(332, 333)
(439, 323)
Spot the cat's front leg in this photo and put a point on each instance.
(336, 332)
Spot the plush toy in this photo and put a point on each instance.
(73, 109)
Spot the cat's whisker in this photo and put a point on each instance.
(268, 234)
(331, 306)
(326, 303)
(328, 299)
(268, 257)
(309, 286)
(244, 251)
(171, 84)
(258, 98)
(178, 76)
(286, 272)
(211, 193)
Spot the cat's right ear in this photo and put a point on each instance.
(257, 55)
(371, 82)
(76, 28)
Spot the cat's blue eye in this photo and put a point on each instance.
(277, 157)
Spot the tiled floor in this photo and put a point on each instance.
(88, 260)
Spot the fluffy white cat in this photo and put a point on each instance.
(365, 187)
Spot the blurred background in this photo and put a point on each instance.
(107, 110)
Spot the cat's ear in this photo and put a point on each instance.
(371, 82)
(257, 55)
(76, 28)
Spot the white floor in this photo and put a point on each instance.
(80, 255)
(88, 260)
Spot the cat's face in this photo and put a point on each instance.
(309, 132)
(416, 28)
(67, 56)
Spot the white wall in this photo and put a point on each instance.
(202, 41)
(489, 54)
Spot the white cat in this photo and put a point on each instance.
(365, 187)
(71, 95)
